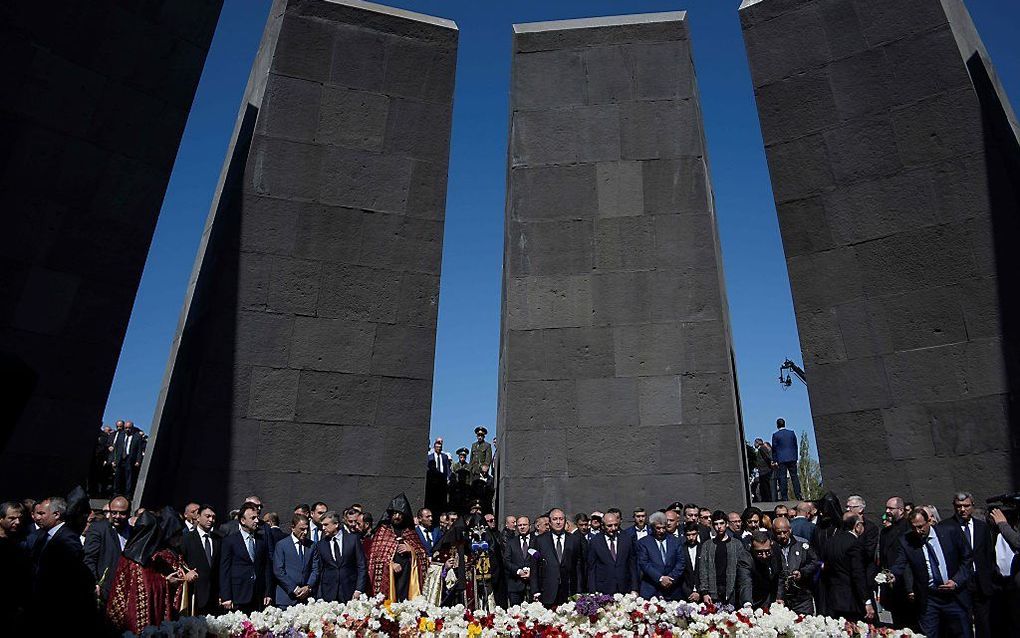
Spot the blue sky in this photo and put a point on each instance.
(761, 310)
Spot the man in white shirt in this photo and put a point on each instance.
(315, 521)
(190, 516)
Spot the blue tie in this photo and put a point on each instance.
(936, 572)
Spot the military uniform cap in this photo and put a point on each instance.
(481, 430)
(462, 450)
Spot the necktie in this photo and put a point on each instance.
(300, 550)
(612, 547)
(559, 547)
(315, 534)
(208, 549)
(969, 535)
(337, 552)
(662, 550)
(251, 548)
(936, 572)
(524, 545)
(439, 462)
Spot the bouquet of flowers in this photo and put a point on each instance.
(587, 616)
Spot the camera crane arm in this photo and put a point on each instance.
(790, 366)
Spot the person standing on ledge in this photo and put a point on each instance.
(784, 459)
(481, 452)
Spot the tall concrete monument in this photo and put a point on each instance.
(616, 375)
(894, 158)
(94, 102)
(303, 362)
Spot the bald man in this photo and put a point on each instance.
(104, 541)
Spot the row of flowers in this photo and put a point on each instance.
(589, 616)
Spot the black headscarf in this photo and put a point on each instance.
(172, 528)
(146, 539)
(78, 509)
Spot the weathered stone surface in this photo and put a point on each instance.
(96, 96)
(615, 364)
(303, 366)
(889, 142)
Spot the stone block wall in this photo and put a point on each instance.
(303, 366)
(615, 361)
(94, 102)
(893, 154)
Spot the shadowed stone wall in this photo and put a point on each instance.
(303, 365)
(94, 101)
(893, 154)
(615, 369)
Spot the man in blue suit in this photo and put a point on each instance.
(660, 561)
(292, 564)
(246, 568)
(339, 568)
(611, 561)
(939, 559)
(427, 533)
(784, 459)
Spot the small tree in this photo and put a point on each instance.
(808, 470)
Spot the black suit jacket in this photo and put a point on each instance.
(337, 580)
(207, 586)
(958, 562)
(608, 576)
(62, 579)
(102, 553)
(514, 559)
(844, 576)
(243, 581)
(689, 582)
(984, 554)
(557, 580)
(869, 539)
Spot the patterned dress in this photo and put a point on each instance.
(142, 596)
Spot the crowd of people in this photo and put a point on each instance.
(116, 459)
(122, 568)
(956, 576)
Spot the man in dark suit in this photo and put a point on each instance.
(844, 577)
(62, 583)
(246, 565)
(939, 560)
(640, 527)
(127, 458)
(798, 563)
(104, 542)
(437, 477)
(292, 565)
(801, 524)
(660, 561)
(271, 520)
(894, 597)
(611, 561)
(689, 582)
(428, 534)
(979, 538)
(201, 551)
(784, 459)
(517, 562)
(869, 539)
(559, 566)
(339, 568)
(765, 572)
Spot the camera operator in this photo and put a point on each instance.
(1006, 617)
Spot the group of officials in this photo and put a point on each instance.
(958, 576)
(450, 486)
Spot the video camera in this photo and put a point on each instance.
(1008, 503)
